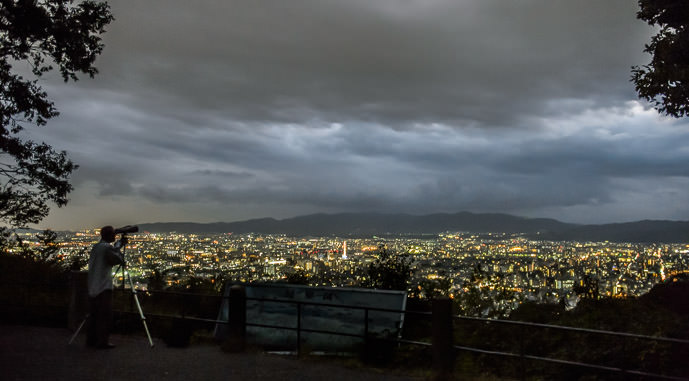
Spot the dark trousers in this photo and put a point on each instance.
(100, 319)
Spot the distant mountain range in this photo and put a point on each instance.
(366, 224)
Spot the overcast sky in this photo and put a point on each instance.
(224, 110)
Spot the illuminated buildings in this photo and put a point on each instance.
(543, 271)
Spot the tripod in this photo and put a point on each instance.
(125, 276)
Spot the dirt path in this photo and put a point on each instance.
(37, 353)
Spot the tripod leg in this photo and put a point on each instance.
(136, 298)
(141, 312)
(78, 330)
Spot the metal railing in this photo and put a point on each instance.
(365, 335)
(182, 312)
(524, 356)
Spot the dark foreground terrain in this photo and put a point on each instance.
(38, 353)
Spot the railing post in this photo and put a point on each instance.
(366, 341)
(443, 350)
(236, 340)
(522, 369)
(131, 300)
(183, 307)
(298, 329)
(78, 301)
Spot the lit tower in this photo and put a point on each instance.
(344, 250)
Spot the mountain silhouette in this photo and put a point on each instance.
(366, 224)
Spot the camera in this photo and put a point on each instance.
(127, 229)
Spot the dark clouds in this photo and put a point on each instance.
(224, 110)
(397, 63)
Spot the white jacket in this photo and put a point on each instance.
(103, 257)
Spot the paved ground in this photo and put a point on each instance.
(38, 353)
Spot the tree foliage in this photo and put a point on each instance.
(36, 263)
(41, 35)
(432, 288)
(157, 280)
(665, 81)
(298, 276)
(389, 271)
(486, 295)
(587, 288)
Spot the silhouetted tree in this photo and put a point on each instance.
(587, 288)
(389, 271)
(79, 261)
(45, 252)
(43, 35)
(433, 288)
(298, 276)
(479, 299)
(33, 262)
(665, 81)
(197, 285)
(157, 280)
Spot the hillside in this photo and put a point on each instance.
(366, 224)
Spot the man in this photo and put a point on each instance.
(103, 257)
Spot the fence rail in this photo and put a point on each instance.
(576, 329)
(299, 329)
(183, 297)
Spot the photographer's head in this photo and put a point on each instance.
(107, 234)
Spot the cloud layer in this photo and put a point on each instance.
(226, 110)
